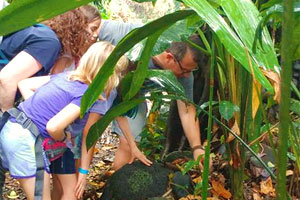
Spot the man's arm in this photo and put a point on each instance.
(20, 67)
(187, 114)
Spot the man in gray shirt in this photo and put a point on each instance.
(181, 59)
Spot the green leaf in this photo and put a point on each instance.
(269, 4)
(141, 1)
(246, 28)
(295, 106)
(188, 166)
(23, 13)
(99, 127)
(227, 36)
(275, 12)
(226, 109)
(135, 36)
(166, 79)
(142, 67)
(180, 31)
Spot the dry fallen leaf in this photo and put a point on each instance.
(97, 185)
(109, 173)
(96, 150)
(289, 172)
(197, 179)
(12, 195)
(179, 161)
(266, 187)
(256, 196)
(235, 128)
(220, 190)
(107, 147)
(191, 197)
(274, 78)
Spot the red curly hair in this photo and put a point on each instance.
(71, 29)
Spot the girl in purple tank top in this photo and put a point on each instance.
(52, 103)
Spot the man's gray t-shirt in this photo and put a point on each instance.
(113, 31)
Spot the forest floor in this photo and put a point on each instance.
(257, 186)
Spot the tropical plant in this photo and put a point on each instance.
(246, 72)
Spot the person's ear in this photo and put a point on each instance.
(169, 57)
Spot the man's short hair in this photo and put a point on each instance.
(179, 49)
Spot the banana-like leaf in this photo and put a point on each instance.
(142, 1)
(275, 12)
(165, 79)
(142, 67)
(23, 13)
(246, 30)
(99, 127)
(135, 36)
(227, 36)
(269, 4)
(180, 31)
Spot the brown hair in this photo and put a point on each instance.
(70, 28)
(179, 49)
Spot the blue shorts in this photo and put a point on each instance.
(17, 150)
(64, 165)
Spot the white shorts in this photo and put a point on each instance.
(136, 124)
(17, 150)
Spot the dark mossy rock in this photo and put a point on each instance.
(181, 185)
(137, 182)
(178, 154)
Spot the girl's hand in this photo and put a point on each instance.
(80, 186)
(137, 154)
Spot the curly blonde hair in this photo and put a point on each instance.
(71, 29)
(92, 61)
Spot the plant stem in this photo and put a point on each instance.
(207, 147)
(284, 117)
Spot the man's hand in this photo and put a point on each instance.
(201, 152)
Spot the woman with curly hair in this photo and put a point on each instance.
(34, 50)
(77, 30)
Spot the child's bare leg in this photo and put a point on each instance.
(28, 185)
(123, 153)
(56, 193)
(68, 183)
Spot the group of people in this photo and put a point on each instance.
(51, 65)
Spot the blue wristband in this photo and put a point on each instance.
(83, 171)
